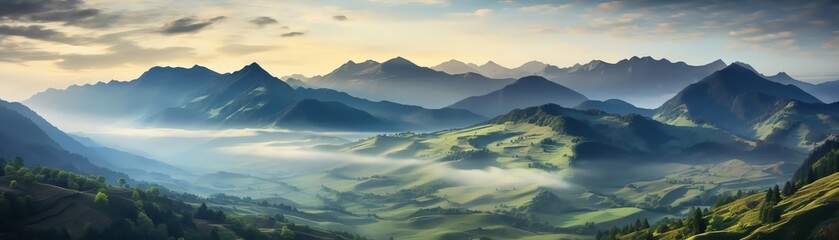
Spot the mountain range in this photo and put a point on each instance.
(825, 91)
(400, 80)
(249, 97)
(525, 92)
(52, 147)
(740, 101)
(638, 80)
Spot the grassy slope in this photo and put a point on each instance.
(811, 209)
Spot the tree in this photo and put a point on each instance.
(769, 214)
(13, 184)
(202, 212)
(101, 201)
(646, 224)
(286, 233)
(787, 189)
(776, 194)
(696, 224)
(121, 182)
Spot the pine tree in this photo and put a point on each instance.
(787, 189)
(768, 197)
(646, 224)
(776, 194)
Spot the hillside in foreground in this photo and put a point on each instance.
(49, 203)
(810, 211)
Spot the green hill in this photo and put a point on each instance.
(550, 135)
(811, 212)
(742, 102)
(49, 203)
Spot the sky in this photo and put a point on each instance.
(57, 43)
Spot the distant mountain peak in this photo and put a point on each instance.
(253, 67)
(782, 74)
(533, 80)
(399, 61)
(454, 61)
(490, 63)
(745, 66)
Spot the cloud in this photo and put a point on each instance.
(483, 12)
(768, 37)
(292, 34)
(18, 54)
(545, 8)
(241, 49)
(262, 21)
(340, 18)
(412, 1)
(744, 31)
(122, 54)
(70, 12)
(188, 25)
(38, 33)
(609, 6)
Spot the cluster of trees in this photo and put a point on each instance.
(204, 213)
(696, 223)
(543, 166)
(14, 207)
(726, 199)
(616, 233)
(19, 174)
(822, 161)
(767, 212)
(479, 154)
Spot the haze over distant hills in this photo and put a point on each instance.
(826, 91)
(525, 92)
(250, 97)
(400, 80)
(639, 80)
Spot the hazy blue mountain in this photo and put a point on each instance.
(614, 106)
(405, 116)
(296, 83)
(154, 90)
(740, 101)
(830, 90)
(402, 81)
(101, 156)
(19, 136)
(525, 92)
(456, 67)
(317, 115)
(640, 81)
(827, 91)
(491, 69)
(251, 97)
